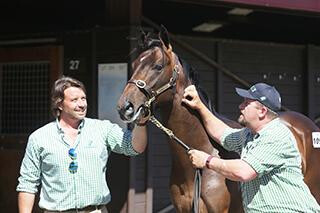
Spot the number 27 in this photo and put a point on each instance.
(74, 64)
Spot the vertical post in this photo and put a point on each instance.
(149, 176)
(219, 81)
(310, 81)
(131, 192)
(94, 68)
(123, 12)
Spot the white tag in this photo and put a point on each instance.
(96, 211)
(316, 139)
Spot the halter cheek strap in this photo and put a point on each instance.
(153, 94)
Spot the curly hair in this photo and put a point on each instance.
(57, 92)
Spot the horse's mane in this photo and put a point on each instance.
(193, 76)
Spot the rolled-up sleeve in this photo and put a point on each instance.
(233, 139)
(119, 140)
(29, 179)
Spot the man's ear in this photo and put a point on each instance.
(60, 104)
(263, 111)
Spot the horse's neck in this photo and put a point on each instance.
(180, 118)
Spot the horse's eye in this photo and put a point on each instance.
(158, 67)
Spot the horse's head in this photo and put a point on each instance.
(153, 73)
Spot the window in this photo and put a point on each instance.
(24, 96)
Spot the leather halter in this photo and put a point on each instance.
(153, 94)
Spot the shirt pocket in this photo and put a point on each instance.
(97, 152)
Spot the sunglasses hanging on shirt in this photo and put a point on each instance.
(73, 166)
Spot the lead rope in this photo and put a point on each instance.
(196, 191)
(197, 176)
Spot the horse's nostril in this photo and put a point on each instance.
(127, 105)
(127, 111)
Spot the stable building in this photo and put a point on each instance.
(231, 43)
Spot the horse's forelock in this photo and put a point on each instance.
(150, 43)
(144, 45)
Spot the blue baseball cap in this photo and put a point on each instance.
(264, 93)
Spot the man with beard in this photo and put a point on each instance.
(269, 168)
(68, 156)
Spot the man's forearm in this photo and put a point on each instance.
(25, 202)
(236, 170)
(139, 138)
(214, 126)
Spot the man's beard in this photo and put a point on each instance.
(241, 120)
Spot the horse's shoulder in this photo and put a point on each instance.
(229, 122)
(298, 120)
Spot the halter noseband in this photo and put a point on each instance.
(153, 94)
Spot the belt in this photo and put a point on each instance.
(87, 208)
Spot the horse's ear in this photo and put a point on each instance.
(164, 36)
(143, 35)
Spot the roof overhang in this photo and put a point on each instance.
(307, 6)
(304, 5)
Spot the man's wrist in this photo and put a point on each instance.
(200, 106)
(208, 161)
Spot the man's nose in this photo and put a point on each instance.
(81, 103)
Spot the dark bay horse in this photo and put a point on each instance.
(158, 80)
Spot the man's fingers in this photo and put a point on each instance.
(190, 89)
(191, 151)
(187, 93)
(186, 101)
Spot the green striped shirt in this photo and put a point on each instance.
(273, 154)
(46, 162)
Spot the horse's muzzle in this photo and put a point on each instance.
(128, 115)
(126, 111)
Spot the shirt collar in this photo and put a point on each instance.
(81, 125)
(269, 125)
(60, 130)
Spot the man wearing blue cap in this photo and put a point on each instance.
(269, 168)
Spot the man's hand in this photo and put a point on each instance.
(198, 158)
(191, 97)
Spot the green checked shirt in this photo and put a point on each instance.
(273, 154)
(46, 163)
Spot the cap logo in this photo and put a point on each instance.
(263, 98)
(253, 89)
